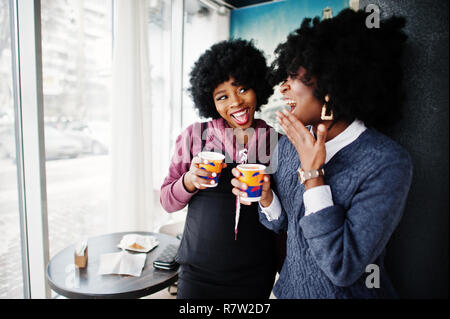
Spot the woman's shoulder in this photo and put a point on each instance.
(377, 146)
(285, 145)
(187, 131)
(197, 127)
(286, 152)
(190, 133)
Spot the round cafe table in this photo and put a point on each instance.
(72, 282)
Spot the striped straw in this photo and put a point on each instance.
(243, 160)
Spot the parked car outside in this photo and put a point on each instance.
(93, 140)
(58, 145)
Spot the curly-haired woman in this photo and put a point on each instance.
(228, 84)
(341, 185)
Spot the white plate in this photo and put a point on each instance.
(148, 242)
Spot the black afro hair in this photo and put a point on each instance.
(358, 67)
(237, 58)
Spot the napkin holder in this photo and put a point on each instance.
(81, 254)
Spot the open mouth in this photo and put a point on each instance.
(291, 103)
(241, 117)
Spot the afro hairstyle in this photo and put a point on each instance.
(358, 67)
(237, 58)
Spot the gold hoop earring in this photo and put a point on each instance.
(324, 116)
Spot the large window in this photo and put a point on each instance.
(11, 280)
(76, 59)
(71, 111)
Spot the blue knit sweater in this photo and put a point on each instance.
(328, 251)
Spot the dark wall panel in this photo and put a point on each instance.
(417, 256)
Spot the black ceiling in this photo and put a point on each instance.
(244, 3)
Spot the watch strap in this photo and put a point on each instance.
(303, 175)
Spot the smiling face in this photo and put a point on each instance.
(304, 105)
(235, 103)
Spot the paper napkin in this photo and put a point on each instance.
(122, 263)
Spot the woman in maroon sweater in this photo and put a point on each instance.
(228, 84)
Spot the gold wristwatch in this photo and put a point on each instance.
(303, 175)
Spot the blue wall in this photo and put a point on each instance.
(269, 24)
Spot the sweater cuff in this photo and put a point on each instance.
(322, 222)
(180, 193)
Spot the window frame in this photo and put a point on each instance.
(26, 55)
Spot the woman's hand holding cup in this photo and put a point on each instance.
(264, 195)
(239, 187)
(195, 178)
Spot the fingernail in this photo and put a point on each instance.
(212, 182)
(214, 174)
(205, 162)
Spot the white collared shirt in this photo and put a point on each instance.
(318, 198)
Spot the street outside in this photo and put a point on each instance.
(77, 192)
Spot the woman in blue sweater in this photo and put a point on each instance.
(341, 185)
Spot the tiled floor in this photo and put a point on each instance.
(164, 294)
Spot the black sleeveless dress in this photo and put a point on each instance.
(215, 265)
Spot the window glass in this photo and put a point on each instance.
(159, 31)
(76, 58)
(11, 280)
